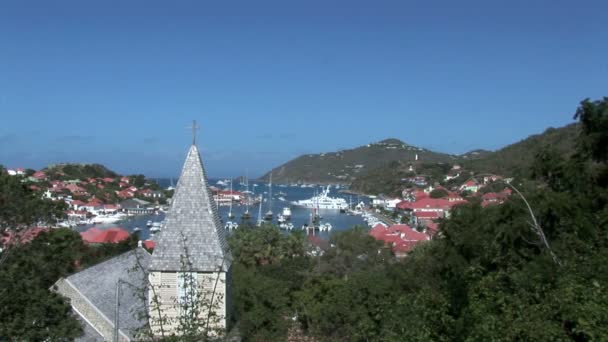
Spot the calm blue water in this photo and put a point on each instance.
(299, 215)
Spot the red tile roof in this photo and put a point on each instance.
(111, 235)
(23, 236)
(427, 214)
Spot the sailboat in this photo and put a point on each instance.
(268, 216)
(230, 214)
(246, 214)
(260, 213)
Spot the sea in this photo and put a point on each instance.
(282, 196)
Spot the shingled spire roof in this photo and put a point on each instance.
(192, 238)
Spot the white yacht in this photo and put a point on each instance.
(287, 213)
(323, 201)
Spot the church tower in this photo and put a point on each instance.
(190, 269)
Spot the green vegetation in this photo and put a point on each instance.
(347, 165)
(30, 310)
(517, 159)
(487, 277)
(392, 178)
(79, 171)
(21, 207)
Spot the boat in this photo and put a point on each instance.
(281, 219)
(230, 214)
(246, 215)
(286, 226)
(287, 213)
(323, 201)
(149, 224)
(137, 229)
(231, 225)
(108, 218)
(269, 214)
(260, 221)
(325, 227)
(156, 226)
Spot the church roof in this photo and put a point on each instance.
(93, 290)
(192, 238)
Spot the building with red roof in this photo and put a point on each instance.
(400, 237)
(39, 175)
(124, 194)
(110, 235)
(24, 236)
(470, 185)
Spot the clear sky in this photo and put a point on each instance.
(118, 82)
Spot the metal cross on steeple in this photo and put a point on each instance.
(194, 127)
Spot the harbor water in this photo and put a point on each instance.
(282, 196)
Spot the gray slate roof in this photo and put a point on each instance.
(192, 232)
(98, 284)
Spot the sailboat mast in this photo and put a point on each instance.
(270, 195)
(247, 192)
(260, 210)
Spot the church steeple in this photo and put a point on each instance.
(192, 229)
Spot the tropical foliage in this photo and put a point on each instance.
(488, 276)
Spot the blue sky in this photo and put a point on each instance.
(118, 82)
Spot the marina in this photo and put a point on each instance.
(289, 217)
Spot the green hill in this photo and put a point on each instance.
(346, 165)
(81, 171)
(516, 159)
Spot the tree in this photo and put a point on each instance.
(438, 193)
(29, 309)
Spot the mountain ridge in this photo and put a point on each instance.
(345, 166)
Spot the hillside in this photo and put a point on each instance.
(513, 160)
(81, 171)
(346, 165)
(516, 159)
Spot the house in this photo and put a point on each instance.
(77, 215)
(491, 178)
(470, 185)
(495, 198)
(77, 204)
(124, 194)
(76, 190)
(108, 180)
(384, 202)
(93, 205)
(39, 175)
(439, 205)
(423, 218)
(400, 237)
(16, 172)
(452, 175)
(148, 193)
(136, 206)
(125, 180)
(110, 235)
(20, 237)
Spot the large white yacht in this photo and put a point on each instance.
(323, 201)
